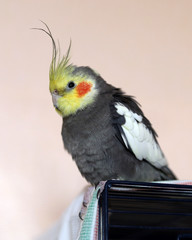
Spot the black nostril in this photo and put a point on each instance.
(56, 92)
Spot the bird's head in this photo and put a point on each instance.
(72, 88)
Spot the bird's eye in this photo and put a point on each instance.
(71, 85)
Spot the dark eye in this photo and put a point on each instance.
(71, 85)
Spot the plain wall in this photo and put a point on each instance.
(142, 46)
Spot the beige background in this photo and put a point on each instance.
(144, 47)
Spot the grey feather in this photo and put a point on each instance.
(93, 139)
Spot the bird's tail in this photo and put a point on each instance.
(167, 174)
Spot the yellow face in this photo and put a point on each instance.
(71, 93)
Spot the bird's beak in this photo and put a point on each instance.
(55, 98)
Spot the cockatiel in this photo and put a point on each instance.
(104, 130)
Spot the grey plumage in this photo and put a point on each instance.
(106, 132)
(92, 136)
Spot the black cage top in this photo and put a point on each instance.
(152, 211)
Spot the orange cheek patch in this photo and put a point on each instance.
(83, 88)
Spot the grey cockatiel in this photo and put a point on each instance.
(104, 130)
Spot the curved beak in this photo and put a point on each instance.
(55, 98)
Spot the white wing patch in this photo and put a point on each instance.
(139, 138)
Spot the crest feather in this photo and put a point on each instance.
(58, 65)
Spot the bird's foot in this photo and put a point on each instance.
(86, 200)
(100, 186)
(88, 195)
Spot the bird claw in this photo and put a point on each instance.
(83, 210)
(98, 193)
(85, 203)
(80, 216)
(100, 186)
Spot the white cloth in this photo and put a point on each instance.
(71, 223)
(68, 227)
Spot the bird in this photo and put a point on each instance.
(104, 130)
